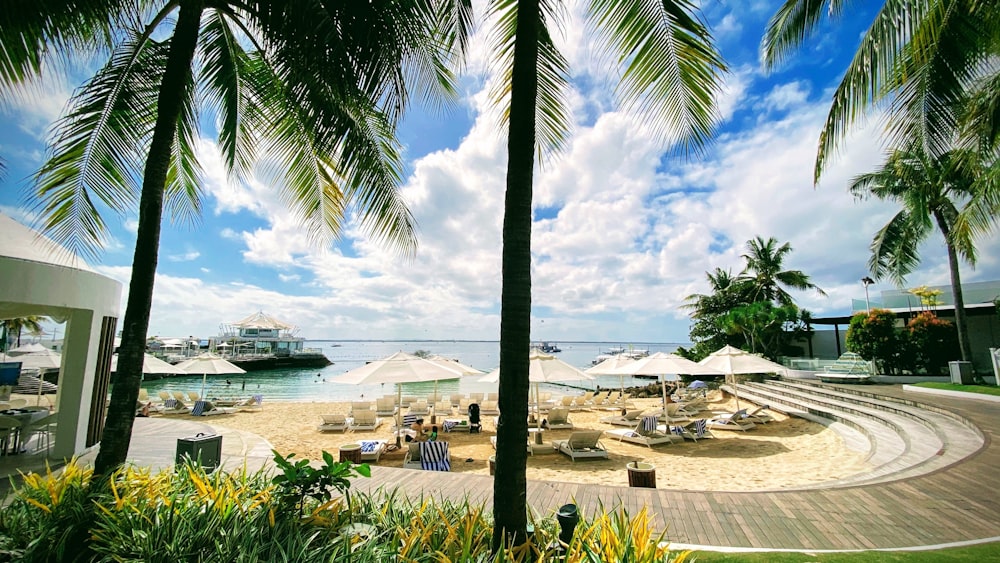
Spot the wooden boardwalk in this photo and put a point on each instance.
(958, 503)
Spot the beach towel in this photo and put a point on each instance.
(258, 399)
(699, 427)
(677, 430)
(368, 446)
(649, 423)
(434, 456)
(449, 424)
(199, 408)
(170, 404)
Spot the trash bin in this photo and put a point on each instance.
(641, 474)
(961, 372)
(567, 517)
(351, 453)
(205, 449)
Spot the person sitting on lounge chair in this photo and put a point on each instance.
(418, 431)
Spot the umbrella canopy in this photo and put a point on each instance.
(206, 364)
(27, 349)
(401, 368)
(730, 361)
(453, 364)
(151, 364)
(46, 359)
(610, 365)
(544, 368)
(667, 366)
(697, 384)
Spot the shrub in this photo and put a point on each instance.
(933, 341)
(874, 337)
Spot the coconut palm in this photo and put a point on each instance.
(317, 86)
(17, 326)
(671, 74)
(929, 189)
(764, 275)
(922, 59)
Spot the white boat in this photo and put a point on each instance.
(629, 352)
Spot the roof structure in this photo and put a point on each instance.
(262, 320)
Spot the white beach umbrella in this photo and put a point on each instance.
(667, 367)
(151, 364)
(452, 363)
(544, 368)
(208, 364)
(400, 368)
(610, 366)
(731, 361)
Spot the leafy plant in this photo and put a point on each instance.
(874, 337)
(299, 480)
(934, 342)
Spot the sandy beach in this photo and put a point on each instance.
(789, 452)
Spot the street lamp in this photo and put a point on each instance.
(867, 281)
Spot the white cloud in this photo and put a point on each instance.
(187, 256)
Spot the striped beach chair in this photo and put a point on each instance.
(434, 456)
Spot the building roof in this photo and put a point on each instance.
(262, 320)
(22, 243)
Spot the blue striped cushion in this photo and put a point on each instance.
(649, 423)
(170, 404)
(434, 456)
(199, 408)
(368, 446)
(699, 427)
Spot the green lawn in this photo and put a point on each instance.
(984, 389)
(985, 552)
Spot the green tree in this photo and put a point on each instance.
(764, 275)
(766, 327)
(671, 74)
(707, 332)
(933, 342)
(927, 188)
(874, 337)
(17, 326)
(317, 86)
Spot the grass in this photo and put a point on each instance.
(984, 552)
(981, 389)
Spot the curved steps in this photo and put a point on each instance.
(903, 438)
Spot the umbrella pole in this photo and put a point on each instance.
(399, 408)
(663, 384)
(204, 382)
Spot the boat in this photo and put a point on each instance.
(261, 342)
(633, 353)
(548, 347)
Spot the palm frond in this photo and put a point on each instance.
(981, 214)
(894, 248)
(98, 147)
(673, 69)
(182, 191)
(790, 26)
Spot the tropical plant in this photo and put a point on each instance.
(707, 310)
(933, 342)
(928, 189)
(17, 326)
(874, 337)
(767, 328)
(764, 275)
(299, 480)
(318, 87)
(671, 75)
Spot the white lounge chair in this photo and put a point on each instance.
(174, 406)
(442, 408)
(429, 456)
(385, 406)
(694, 430)
(420, 408)
(206, 408)
(254, 403)
(582, 445)
(630, 418)
(759, 416)
(558, 419)
(365, 420)
(489, 408)
(645, 433)
(674, 414)
(371, 450)
(730, 421)
(333, 423)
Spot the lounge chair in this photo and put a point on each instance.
(174, 406)
(630, 418)
(206, 408)
(492, 396)
(442, 408)
(385, 406)
(406, 400)
(646, 433)
(489, 407)
(357, 406)
(493, 440)
(694, 430)
(333, 423)
(559, 419)
(730, 421)
(429, 456)
(759, 415)
(254, 403)
(476, 397)
(371, 450)
(365, 420)
(420, 408)
(674, 414)
(456, 399)
(163, 395)
(582, 445)
(694, 407)
(179, 396)
(195, 397)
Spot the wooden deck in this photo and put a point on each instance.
(956, 504)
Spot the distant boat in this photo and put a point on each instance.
(629, 352)
(261, 342)
(548, 347)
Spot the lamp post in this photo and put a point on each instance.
(867, 281)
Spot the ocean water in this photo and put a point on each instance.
(321, 384)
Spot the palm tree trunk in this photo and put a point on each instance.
(956, 288)
(510, 482)
(125, 386)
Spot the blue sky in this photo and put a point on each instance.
(622, 231)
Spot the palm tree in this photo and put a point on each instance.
(319, 90)
(764, 276)
(17, 326)
(928, 189)
(671, 74)
(922, 59)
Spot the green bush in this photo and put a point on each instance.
(874, 337)
(933, 342)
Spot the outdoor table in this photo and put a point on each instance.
(24, 417)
